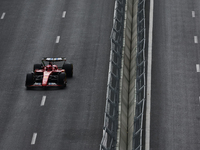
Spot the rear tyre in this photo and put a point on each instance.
(68, 70)
(37, 66)
(29, 80)
(62, 79)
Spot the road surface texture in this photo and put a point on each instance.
(54, 119)
(175, 103)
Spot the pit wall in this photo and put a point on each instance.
(127, 98)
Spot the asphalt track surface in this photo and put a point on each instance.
(71, 118)
(175, 103)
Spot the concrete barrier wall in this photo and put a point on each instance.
(133, 67)
(128, 78)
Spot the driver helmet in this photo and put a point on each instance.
(55, 67)
(49, 67)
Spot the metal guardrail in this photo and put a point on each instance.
(138, 135)
(109, 138)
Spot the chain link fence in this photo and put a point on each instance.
(138, 135)
(109, 138)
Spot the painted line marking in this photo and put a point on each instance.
(58, 39)
(64, 14)
(195, 39)
(197, 67)
(3, 15)
(193, 14)
(43, 101)
(34, 138)
(199, 99)
(149, 70)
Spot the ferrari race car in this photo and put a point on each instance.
(49, 74)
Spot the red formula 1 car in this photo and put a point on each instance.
(49, 75)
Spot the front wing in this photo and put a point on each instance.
(48, 85)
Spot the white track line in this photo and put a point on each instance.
(34, 138)
(3, 15)
(64, 14)
(58, 39)
(193, 14)
(148, 102)
(197, 68)
(43, 101)
(195, 39)
(199, 99)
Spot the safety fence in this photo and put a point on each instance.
(139, 133)
(109, 138)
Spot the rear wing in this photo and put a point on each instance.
(53, 59)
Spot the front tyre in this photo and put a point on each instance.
(29, 80)
(62, 79)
